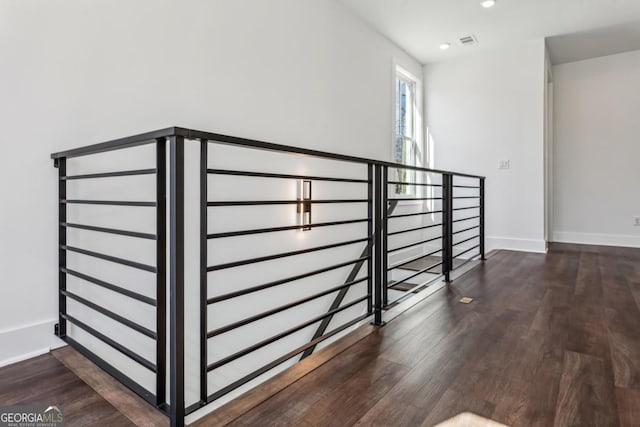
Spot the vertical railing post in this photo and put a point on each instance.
(447, 225)
(61, 164)
(482, 236)
(378, 207)
(450, 223)
(385, 224)
(161, 274)
(370, 235)
(176, 281)
(204, 150)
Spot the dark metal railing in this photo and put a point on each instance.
(403, 236)
(157, 301)
(324, 319)
(425, 242)
(467, 231)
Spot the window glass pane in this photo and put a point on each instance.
(398, 116)
(408, 109)
(405, 108)
(399, 150)
(405, 148)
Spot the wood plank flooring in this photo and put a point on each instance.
(140, 412)
(44, 380)
(550, 340)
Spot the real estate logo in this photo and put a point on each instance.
(31, 416)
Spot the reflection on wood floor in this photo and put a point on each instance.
(549, 340)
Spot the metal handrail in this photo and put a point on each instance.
(150, 137)
(169, 207)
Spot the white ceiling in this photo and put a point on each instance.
(594, 27)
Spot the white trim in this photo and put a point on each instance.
(597, 239)
(27, 326)
(25, 356)
(27, 341)
(397, 68)
(513, 244)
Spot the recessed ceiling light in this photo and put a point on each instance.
(488, 3)
(445, 46)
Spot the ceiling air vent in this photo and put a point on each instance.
(468, 40)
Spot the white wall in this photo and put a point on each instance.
(597, 135)
(489, 107)
(72, 73)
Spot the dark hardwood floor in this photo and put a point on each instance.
(550, 340)
(44, 380)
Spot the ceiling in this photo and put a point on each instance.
(576, 28)
(594, 43)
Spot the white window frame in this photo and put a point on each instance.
(419, 158)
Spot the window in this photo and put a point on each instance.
(407, 148)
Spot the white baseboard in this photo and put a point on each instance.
(20, 358)
(492, 243)
(597, 239)
(27, 341)
(509, 243)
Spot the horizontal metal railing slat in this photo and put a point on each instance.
(108, 202)
(280, 202)
(240, 382)
(433, 239)
(110, 314)
(283, 255)
(278, 229)
(403, 263)
(110, 230)
(114, 288)
(418, 273)
(111, 258)
(279, 282)
(122, 349)
(281, 335)
(467, 251)
(466, 219)
(281, 308)
(424, 227)
(282, 176)
(377, 182)
(464, 230)
(414, 214)
(466, 240)
(110, 174)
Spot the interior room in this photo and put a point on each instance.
(325, 213)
